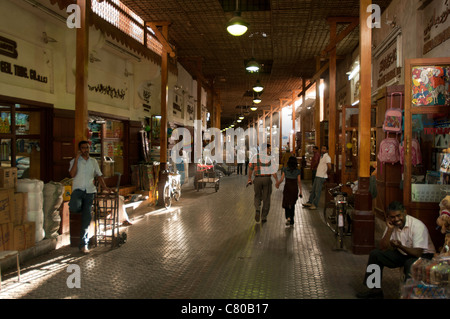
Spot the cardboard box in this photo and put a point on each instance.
(8, 177)
(6, 236)
(24, 236)
(6, 205)
(67, 192)
(20, 208)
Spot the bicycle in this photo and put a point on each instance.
(172, 189)
(336, 213)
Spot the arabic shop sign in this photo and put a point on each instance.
(437, 29)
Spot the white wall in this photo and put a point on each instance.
(25, 24)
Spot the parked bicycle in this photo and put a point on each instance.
(337, 215)
(172, 189)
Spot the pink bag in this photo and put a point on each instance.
(389, 151)
(416, 154)
(393, 116)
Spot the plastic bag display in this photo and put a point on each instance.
(430, 279)
(53, 198)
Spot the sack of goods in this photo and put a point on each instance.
(35, 211)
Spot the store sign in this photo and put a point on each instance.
(144, 91)
(106, 88)
(387, 68)
(436, 27)
(387, 55)
(8, 47)
(31, 68)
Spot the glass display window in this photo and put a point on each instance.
(427, 129)
(20, 140)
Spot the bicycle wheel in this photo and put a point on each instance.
(167, 197)
(340, 224)
(329, 216)
(177, 192)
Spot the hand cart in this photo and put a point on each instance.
(206, 175)
(106, 215)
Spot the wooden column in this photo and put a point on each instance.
(163, 174)
(332, 98)
(302, 120)
(363, 239)
(199, 91)
(164, 98)
(317, 106)
(271, 123)
(82, 64)
(280, 115)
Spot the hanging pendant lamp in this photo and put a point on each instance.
(237, 26)
(256, 99)
(258, 87)
(252, 66)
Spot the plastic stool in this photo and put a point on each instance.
(5, 255)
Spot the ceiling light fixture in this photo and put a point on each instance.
(256, 99)
(237, 26)
(258, 87)
(252, 66)
(254, 108)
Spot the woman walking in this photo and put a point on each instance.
(292, 188)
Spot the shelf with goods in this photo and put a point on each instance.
(20, 140)
(155, 131)
(309, 152)
(348, 137)
(426, 139)
(106, 139)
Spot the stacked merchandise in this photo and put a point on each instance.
(35, 210)
(430, 279)
(17, 232)
(155, 154)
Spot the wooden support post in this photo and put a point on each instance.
(363, 239)
(81, 84)
(163, 174)
(271, 123)
(317, 106)
(332, 99)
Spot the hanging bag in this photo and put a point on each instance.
(393, 116)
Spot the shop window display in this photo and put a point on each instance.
(20, 143)
(106, 139)
(427, 129)
(426, 139)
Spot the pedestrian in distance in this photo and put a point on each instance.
(292, 188)
(262, 182)
(315, 161)
(323, 169)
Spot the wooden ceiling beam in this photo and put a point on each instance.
(354, 22)
(161, 38)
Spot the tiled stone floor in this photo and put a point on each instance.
(207, 246)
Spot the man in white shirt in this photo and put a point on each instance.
(83, 169)
(404, 241)
(321, 176)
